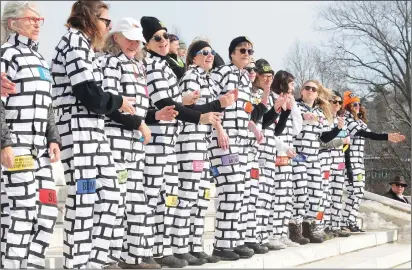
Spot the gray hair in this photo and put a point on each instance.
(13, 9)
(111, 46)
(202, 38)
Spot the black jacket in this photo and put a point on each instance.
(177, 65)
(392, 195)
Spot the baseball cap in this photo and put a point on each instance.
(130, 28)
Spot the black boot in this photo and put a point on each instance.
(203, 255)
(308, 231)
(192, 260)
(225, 254)
(257, 248)
(171, 262)
(147, 263)
(244, 252)
(340, 233)
(295, 233)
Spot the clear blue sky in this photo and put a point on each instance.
(273, 27)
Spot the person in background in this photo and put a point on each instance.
(398, 186)
(174, 61)
(182, 52)
(30, 141)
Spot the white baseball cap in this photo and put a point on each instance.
(130, 28)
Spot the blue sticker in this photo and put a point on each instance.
(342, 134)
(86, 186)
(141, 139)
(44, 74)
(214, 171)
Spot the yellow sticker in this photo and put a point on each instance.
(360, 177)
(122, 176)
(162, 24)
(171, 201)
(207, 194)
(345, 148)
(22, 163)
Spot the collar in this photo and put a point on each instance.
(155, 56)
(22, 41)
(78, 32)
(200, 70)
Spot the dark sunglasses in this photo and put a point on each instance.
(249, 51)
(250, 69)
(107, 21)
(336, 102)
(356, 104)
(158, 38)
(310, 88)
(206, 52)
(400, 185)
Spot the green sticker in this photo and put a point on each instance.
(122, 176)
(360, 177)
(162, 24)
(266, 68)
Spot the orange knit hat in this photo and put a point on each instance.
(349, 97)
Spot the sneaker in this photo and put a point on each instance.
(225, 254)
(208, 258)
(269, 246)
(257, 248)
(295, 233)
(112, 266)
(147, 263)
(311, 231)
(278, 245)
(340, 233)
(244, 252)
(171, 262)
(191, 260)
(286, 241)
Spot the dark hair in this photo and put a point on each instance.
(85, 16)
(336, 93)
(173, 37)
(281, 82)
(361, 115)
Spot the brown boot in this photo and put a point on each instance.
(308, 231)
(295, 233)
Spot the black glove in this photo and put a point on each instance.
(349, 174)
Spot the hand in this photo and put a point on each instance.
(222, 137)
(146, 133)
(341, 122)
(280, 102)
(256, 131)
(395, 137)
(227, 100)
(349, 174)
(190, 98)
(308, 116)
(127, 105)
(54, 152)
(7, 157)
(346, 140)
(7, 86)
(166, 114)
(210, 118)
(291, 153)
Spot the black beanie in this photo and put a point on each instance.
(263, 66)
(197, 46)
(236, 42)
(150, 26)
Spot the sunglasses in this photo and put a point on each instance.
(310, 88)
(267, 76)
(206, 52)
(107, 21)
(250, 69)
(336, 102)
(356, 104)
(400, 185)
(249, 51)
(158, 38)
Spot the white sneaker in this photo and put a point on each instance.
(289, 243)
(277, 244)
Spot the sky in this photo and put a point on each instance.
(273, 26)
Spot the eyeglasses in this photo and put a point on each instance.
(356, 104)
(107, 21)
(400, 185)
(158, 38)
(267, 76)
(336, 102)
(310, 88)
(243, 51)
(32, 20)
(250, 69)
(206, 52)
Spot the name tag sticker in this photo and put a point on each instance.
(141, 139)
(319, 216)
(198, 165)
(282, 161)
(86, 186)
(341, 166)
(207, 194)
(146, 90)
(22, 163)
(360, 177)
(47, 196)
(254, 173)
(44, 74)
(342, 134)
(326, 175)
(171, 201)
(248, 107)
(122, 176)
(214, 171)
(230, 159)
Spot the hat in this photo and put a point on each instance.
(150, 26)
(197, 46)
(173, 37)
(263, 66)
(236, 42)
(130, 28)
(182, 44)
(399, 180)
(349, 97)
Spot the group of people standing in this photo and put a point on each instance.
(142, 142)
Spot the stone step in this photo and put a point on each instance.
(407, 265)
(384, 256)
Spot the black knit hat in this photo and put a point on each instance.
(236, 42)
(263, 66)
(197, 46)
(150, 26)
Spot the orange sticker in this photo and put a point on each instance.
(47, 196)
(254, 173)
(326, 175)
(248, 107)
(282, 161)
(319, 216)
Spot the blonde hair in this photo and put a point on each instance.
(14, 9)
(112, 47)
(324, 95)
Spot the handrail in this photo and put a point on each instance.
(404, 207)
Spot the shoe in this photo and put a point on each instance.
(112, 266)
(147, 263)
(340, 233)
(278, 245)
(295, 233)
(225, 254)
(269, 246)
(244, 252)
(310, 231)
(208, 258)
(286, 241)
(257, 248)
(329, 233)
(191, 260)
(171, 262)
(355, 229)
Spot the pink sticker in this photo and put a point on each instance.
(198, 165)
(147, 91)
(341, 166)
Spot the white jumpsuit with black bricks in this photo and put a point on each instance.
(229, 166)
(307, 180)
(191, 151)
(160, 173)
(90, 173)
(356, 188)
(126, 77)
(29, 204)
